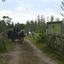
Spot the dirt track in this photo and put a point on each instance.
(27, 53)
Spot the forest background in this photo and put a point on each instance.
(38, 25)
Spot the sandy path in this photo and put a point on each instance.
(27, 53)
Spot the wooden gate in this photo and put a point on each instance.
(55, 40)
(55, 43)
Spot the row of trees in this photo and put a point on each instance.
(39, 24)
(17, 25)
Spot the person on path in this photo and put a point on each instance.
(33, 33)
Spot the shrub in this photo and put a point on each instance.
(42, 37)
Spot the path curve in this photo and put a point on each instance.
(27, 53)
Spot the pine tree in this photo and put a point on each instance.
(52, 18)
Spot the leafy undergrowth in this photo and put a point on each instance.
(43, 46)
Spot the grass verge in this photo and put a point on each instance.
(9, 45)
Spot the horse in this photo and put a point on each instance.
(9, 33)
(29, 34)
(20, 36)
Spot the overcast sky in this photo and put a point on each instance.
(23, 10)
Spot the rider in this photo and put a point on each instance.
(29, 30)
(18, 30)
(15, 31)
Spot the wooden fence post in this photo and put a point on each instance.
(5, 39)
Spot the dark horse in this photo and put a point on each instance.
(9, 33)
(20, 36)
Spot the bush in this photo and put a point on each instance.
(42, 37)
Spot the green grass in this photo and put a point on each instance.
(1, 62)
(43, 46)
(1, 58)
(30, 38)
(9, 45)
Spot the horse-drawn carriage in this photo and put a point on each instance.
(20, 36)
